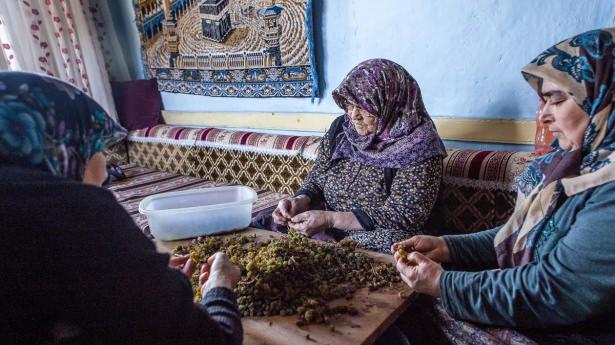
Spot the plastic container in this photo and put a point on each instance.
(198, 212)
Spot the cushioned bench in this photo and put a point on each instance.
(476, 193)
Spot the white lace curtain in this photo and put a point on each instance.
(59, 38)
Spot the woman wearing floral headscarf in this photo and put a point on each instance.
(378, 169)
(76, 269)
(550, 270)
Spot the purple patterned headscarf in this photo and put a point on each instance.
(405, 134)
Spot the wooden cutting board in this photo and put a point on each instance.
(377, 311)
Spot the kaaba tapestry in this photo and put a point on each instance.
(239, 48)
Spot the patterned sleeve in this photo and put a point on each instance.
(413, 193)
(314, 182)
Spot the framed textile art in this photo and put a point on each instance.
(238, 48)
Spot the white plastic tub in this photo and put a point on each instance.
(198, 212)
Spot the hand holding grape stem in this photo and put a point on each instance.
(421, 269)
(217, 271)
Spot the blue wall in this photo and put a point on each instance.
(465, 54)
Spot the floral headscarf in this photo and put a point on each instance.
(50, 125)
(405, 134)
(584, 66)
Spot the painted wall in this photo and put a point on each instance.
(465, 54)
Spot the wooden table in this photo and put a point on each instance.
(377, 311)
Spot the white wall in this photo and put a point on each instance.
(465, 54)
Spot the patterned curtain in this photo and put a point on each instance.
(59, 38)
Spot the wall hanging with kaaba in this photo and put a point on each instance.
(238, 48)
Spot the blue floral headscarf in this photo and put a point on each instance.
(50, 125)
(584, 66)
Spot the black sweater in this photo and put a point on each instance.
(73, 260)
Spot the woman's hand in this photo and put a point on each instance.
(184, 264)
(433, 247)
(420, 273)
(288, 208)
(218, 271)
(312, 222)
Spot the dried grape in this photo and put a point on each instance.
(293, 275)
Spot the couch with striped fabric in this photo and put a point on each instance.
(476, 193)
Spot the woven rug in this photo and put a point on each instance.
(143, 182)
(236, 48)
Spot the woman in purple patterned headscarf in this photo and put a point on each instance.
(404, 133)
(378, 170)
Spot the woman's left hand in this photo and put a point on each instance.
(312, 222)
(184, 264)
(420, 273)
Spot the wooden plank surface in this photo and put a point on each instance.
(377, 311)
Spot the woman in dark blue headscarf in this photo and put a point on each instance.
(75, 268)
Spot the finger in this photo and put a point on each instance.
(278, 213)
(417, 258)
(406, 270)
(406, 244)
(407, 281)
(293, 210)
(189, 268)
(299, 226)
(294, 207)
(301, 217)
(281, 222)
(176, 261)
(203, 278)
(398, 257)
(406, 276)
(284, 208)
(213, 258)
(399, 266)
(205, 268)
(279, 219)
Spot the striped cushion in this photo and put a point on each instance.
(485, 169)
(276, 144)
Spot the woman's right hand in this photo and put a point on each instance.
(288, 208)
(433, 247)
(218, 271)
